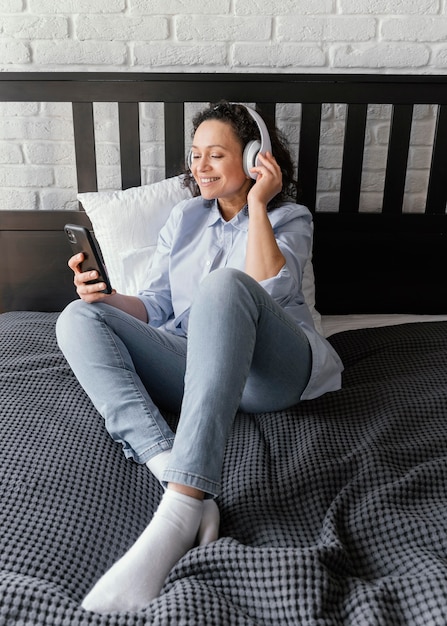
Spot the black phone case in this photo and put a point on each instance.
(81, 240)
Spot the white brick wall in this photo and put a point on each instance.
(36, 144)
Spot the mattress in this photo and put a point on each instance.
(333, 511)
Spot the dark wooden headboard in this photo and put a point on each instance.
(386, 261)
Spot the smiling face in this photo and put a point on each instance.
(216, 165)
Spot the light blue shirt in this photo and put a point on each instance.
(196, 240)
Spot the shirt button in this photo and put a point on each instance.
(208, 263)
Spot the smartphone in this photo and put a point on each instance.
(82, 240)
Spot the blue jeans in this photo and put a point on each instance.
(243, 351)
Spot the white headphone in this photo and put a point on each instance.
(253, 148)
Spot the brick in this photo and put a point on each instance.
(35, 128)
(288, 112)
(107, 154)
(389, 7)
(379, 112)
(326, 29)
(328, 180)
(381, 56)
(15, 109)
(10, 153)
(14, 52)
(106, 122)
(278, 56)
(79, 53)
(18, 199)
(152, 175)
(35, 27)
(121, 28)
(332, 133)
(374, 157)
(26, 176)
(171, 55)
(285, 7)
(61, 110)
(371, 181)
(291, 131)
(180, 7)
(424, 112)
(411, 28)
(109, 177)
(415, 203)
(223, 29)
(440, 58)
(382, 134)
(65, 177)
(371, 202)
(50, 153)
(416, 181)
(328, 202)
(40, 7)
(419, 157)
(58, 199)
(152, 155)
(330, 157)
(11, 6)
(422, 133)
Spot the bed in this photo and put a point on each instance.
(333, 511)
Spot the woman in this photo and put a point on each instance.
(225, 287)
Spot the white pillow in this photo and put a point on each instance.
(126, 225)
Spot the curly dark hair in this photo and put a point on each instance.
(246, 129)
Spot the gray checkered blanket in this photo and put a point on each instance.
(333, 512)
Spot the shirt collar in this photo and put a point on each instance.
(240, 220)
(214, 213)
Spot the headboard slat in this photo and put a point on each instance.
(174, 137)
(396, 168)
(268, 109)
(84, 141)
(437, 189)
(353, 151)
(309, 154)
(129, 126)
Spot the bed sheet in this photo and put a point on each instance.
(332, 324)
(333, 511)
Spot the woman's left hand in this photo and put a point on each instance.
(263, 258)
(269, 181)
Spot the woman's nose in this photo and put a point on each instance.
(203, 164)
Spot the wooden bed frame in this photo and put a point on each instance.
(387, 262)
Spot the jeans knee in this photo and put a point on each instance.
(225, 292)
(224, 282)
(69, 321)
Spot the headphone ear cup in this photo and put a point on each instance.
(249, 156)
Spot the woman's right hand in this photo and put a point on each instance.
(87, 292)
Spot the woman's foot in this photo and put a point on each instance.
(137, 578)
(209, 525)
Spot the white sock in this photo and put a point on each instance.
(158, 463)
(209, 525)
(137, 578)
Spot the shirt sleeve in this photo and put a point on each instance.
(293, 232)
(156, 297)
